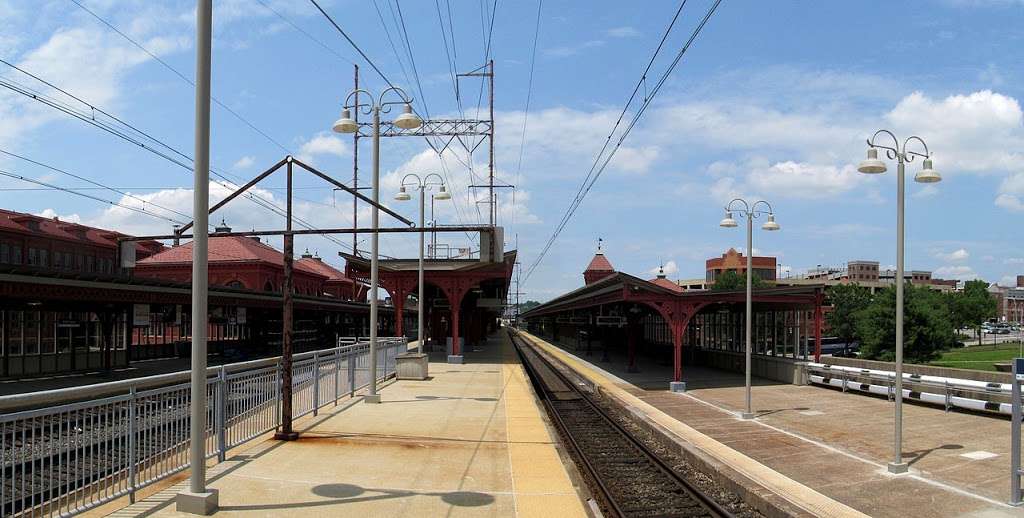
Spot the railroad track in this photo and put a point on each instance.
(629, 479)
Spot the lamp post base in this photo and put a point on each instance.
(677, 386)
(455, 359)
(286, 436)
(747, 415)
(372, 399)
(897, 468)
(202, 504)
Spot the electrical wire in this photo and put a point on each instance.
(140, 210)
(526, 109)
(648, 99)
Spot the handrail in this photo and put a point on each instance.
(62, 459)
(939, 390)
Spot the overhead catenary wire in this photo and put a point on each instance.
(98, 185)
(366, 58)
(251, 196)
(140, 210)
(591, 179)
(526, 109)
(132, 134)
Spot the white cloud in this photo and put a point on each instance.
(50, 214)
(802, 180)
(670, 268)
(978, 132)
(322, 144)
(625, 31)
(956, 256)
(960, 272)
(243, 163)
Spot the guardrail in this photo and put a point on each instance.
(938, 390)
(64, 459)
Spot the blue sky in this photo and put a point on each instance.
(773, 101)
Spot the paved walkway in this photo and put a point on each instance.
(838, 444)
(468, 442)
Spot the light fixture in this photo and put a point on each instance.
(443, 194)
(770, 224)
(871, 164)
(728, 221)
(408, 120)
(402, 195)
(345, 124)
(927, 174)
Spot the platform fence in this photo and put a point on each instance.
(61, 456)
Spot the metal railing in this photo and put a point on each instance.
(62, 459)
(938, 390)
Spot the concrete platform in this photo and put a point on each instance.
(834, 443)
(469, 441)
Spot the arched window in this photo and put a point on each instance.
(235, 284)
(269, 286)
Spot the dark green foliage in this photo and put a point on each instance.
(730, 280)
(927, 325)
(846, 301)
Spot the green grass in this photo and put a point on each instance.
(978, 357)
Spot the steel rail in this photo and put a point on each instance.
(713, 507)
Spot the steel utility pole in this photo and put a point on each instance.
(287, 311)
(199, 499)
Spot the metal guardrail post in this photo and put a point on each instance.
(949, 396)
(1015, 472)
(337, 375)
(316, 382)
(132, 445)
(277, 395)
(220, 413)
(844, 380)
(351, 374)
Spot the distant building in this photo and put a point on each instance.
(1009, 301)
(693, 284)
(733, 261)
(49, 244)
(862, 271)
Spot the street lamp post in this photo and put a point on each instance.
(872, 165)
(750, 211)
(199, 499)
(423, 184)
(407, 120)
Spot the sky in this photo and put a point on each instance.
(772, 101)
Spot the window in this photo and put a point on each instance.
(38, 257)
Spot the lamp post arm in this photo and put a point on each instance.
(368, 106)
(440, 180)
(755, 212)
(891, 152)
(419, 181)
(406, 99)
(746, 206)
(910, 154)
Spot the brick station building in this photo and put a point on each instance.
(67, 305)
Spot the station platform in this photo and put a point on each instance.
(469, 441)
(811, 445)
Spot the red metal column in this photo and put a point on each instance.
(677, 351)
(398, 300)
(456, 350)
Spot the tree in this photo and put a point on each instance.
(847, 301)
(730, 280)
(528, 305)
(973, 305)
(927, 325)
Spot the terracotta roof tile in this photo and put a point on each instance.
(227, 249)
(599, 264)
